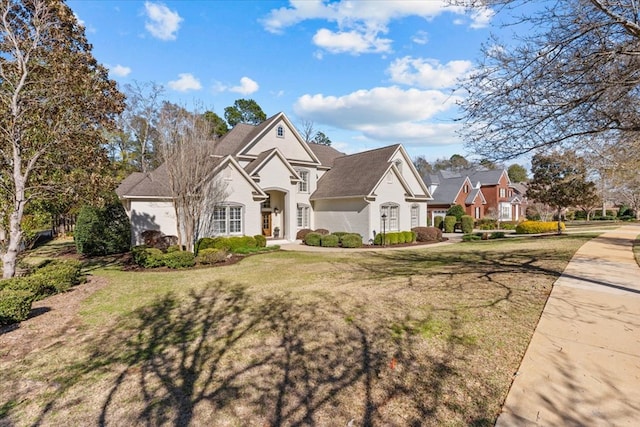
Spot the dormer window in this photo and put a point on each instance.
(280, 131)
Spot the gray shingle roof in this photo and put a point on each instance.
(355, 175)
(326, 154)
(151, 184)
(446, 192)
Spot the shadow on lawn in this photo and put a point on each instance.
(221, 357)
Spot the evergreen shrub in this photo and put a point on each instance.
(211, 256)
(449, 223)
(261, 241)
(15, 305)
(330, 241)
(427, 234)
(535, 227)
(467, 224)
(437, 222)
(181, 259)
(457, 211)
(312, 239)
(351, 240)
(393, 238)
(102, 231)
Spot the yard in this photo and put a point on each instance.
(431, 336)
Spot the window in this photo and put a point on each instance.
(399, 165)
(503, 192)
(267, 203)
(303, 216)
(477, 210)
(466, 188)
(303, 185)
(227, 220)
(505, 211)
(415, 216)
(392, 221)
(280, 131)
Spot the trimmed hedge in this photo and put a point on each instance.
(427, 234)
(261, 241)
(52, 278)
(351, 240)
(330, 241)
(313, 239)
(437, 222)
(15, 305)
(467, 224)
(409, 236)
(450, 223)
(211, 256)
(177, 260)
(147, 257)
(487, 224)
(535, 227)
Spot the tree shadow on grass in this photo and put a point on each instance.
(221, 356)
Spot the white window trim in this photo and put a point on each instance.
(280, 131)
(389, 225)
(303, 182)
(415, 219)
(226, 208)
(304, 220)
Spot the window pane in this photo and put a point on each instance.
(220, 220)
(300, 216)
(235, 219)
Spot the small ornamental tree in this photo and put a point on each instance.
(457, 211)
(102, 231)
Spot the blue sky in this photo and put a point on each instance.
(366, 73)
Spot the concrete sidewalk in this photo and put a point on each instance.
(582, 366)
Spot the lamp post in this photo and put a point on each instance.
(384, 229)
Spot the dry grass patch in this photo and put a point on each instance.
(415, 337)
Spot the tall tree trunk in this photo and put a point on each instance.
(15, 232)
(559, 220)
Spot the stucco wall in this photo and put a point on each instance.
(151, 214)
(351, 215)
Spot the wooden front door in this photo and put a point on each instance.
(266, 223)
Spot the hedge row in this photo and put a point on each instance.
(152, 258)
(395, 238)
(334, 240)
(18, 293)
(535, 227)
(233, 244)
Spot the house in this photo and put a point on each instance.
(481, 192)
(277, 184)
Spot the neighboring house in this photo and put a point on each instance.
(278, 184)
(481, 192)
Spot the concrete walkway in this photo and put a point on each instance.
(582, 366)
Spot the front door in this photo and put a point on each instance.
(266, 223)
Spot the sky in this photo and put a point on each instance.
(366, 73)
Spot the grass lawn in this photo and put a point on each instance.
(388, 338)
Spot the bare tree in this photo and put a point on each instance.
(307, 130)
(195, 185)
(573, 76)
(56, 101)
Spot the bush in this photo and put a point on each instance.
(535, 227)
(437, 222)
(330, 241)
(377, 240)
(467, 224)
(182, 259)
(471, 237)
(313, 239)
(509, 225)
(497, 235)
(211, 256)
(102, 231)
(457, 211)
(409, 236)
(59, 275)
(392, 238)
(174, 248)
(301, 234)
(427, 234)
(322, 231)
(147, 257)
(261, 241)
(351, 240)
(449, 223)
(487, 224)
(205, 243)
(38, 288)
(15, 305)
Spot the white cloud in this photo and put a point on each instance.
(350, 42)
(360, 23)
(246, 87)
(185, 82)
(387, 114)
(427, 73)
(162, 23)
(119, 70)
(421, 37)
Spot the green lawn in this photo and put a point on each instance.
(414, 337)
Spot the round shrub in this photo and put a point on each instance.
(182, 259)
(302, 233)
(351, 240)
(497, 235)
(467, 224)
(15, 305)
(59, 275)
(400, 237)
(449, 223)
(330, 241)
(340, 234)
(393, 238)
(409, 236)
(174, 248)
(427, 234)
(211, 256)
(261, 241)
(487, 224)
(312, 239)
(102, 231)
(147, 257)
(437, 222)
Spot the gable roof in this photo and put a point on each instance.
(473, 195)
(325, 153)
(355, 175)
(154, 184)
(263, 158)
(447, 190)
(488, 176)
